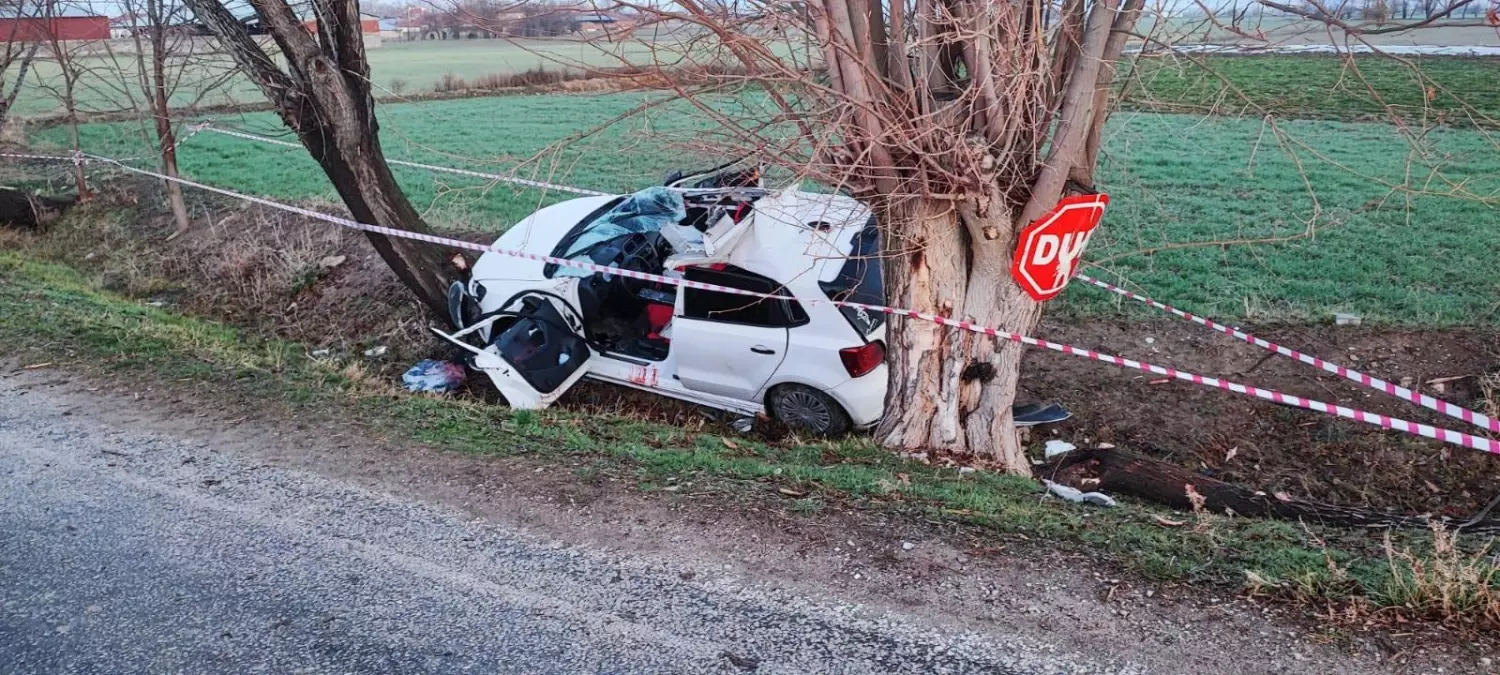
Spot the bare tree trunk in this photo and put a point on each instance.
(174, 190)
(69, 68)
(78, 176)
(161, 111)
(15, 89)
(924, 270)
(324, 96)
(952, 390)
(993, 365)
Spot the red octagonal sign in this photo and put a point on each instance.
(1049, 248)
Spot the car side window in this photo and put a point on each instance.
(740, 309)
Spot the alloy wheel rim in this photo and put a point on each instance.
(804, 409)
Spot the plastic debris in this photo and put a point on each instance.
(1343, 319)
(376, 352)
(1078, 496)
(1055, 448)
(322, 353)
(743, 424)
(431, 375)
(1099, 499)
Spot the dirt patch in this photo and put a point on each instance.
(1277, 448)
(325, 287)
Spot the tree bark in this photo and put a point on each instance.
(15, 88)
(994, 364)
(952, 390)
(161, 113)
(925, 270)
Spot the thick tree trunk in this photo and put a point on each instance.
(924, 270)
(952, 390)
(365, 182)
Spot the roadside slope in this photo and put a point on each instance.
(153, 530)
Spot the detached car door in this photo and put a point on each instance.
(728, 344)
(534, 353)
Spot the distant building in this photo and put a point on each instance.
(64, 28)
(124, 26)
(369, 24)
(369, 27)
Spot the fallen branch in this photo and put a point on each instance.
(30, 211)
(1125, 473)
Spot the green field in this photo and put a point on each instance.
(1305, 86)
(1178, 184)
(396, 69)
(1439, 90)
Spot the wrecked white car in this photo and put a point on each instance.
(537, 328)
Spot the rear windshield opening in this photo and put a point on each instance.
(860, 280)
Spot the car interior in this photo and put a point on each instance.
(629, 316)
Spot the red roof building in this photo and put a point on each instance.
(63, 28)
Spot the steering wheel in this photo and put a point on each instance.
(638, 255)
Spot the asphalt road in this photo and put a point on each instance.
(123, 551)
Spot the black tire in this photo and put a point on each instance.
(807, 409)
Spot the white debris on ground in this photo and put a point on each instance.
(1078, 496)
(1056, 447)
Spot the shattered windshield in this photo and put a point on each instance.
(643, 212)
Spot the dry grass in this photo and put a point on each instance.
(1489, 388)
(12, 239)
(1448, 583)
(536, 77)
(267, 261)
(622, 77)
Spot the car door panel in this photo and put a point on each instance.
(727, 359)
(729, 344)
(535, 354)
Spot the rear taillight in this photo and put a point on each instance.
(861, 360)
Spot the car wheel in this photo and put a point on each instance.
(805, 408)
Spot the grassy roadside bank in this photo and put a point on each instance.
(53, 313)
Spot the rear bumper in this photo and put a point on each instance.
(863, 397)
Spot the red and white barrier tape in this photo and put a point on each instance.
(206, 126)
(1383, 421)
(50, 158)
(1458, 412)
